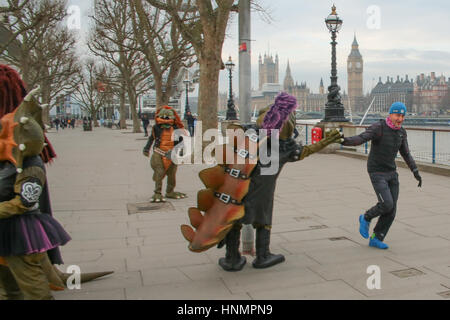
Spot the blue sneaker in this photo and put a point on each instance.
(374, 242)
(364, 227)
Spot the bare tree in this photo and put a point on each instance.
(113, 40)
(116, 85)
(205, 30)
(59, 75)
(165, 50)
(91, 93)
(9, 32)
(44, 48)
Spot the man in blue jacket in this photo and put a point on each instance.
(388, 138)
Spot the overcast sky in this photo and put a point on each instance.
(395, 38)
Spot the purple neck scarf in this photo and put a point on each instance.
(391, 125)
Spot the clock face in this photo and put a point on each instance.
(358, 64)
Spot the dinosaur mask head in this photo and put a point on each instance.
(167, 117)
(21, 132)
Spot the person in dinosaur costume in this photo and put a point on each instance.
(29, 236)
(162, 139)
(242, 194)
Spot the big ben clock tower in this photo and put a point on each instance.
(355, 77)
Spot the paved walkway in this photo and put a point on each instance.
(317, 203)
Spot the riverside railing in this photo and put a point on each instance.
(430, 145)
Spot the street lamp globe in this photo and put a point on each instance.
(231, 112)
(333, 21)
(229, 64)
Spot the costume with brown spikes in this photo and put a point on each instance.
(240, 194)
(162, 140)
(26, 234)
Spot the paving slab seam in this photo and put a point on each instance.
(436, 272)
(317, 261)
(398, 262)
(356, 289)
(225, 284)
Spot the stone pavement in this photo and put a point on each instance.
(317, 204)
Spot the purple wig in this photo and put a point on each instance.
(279, 112)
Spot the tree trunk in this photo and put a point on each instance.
(132, 99)
(45, 95)
(94, 118)
(122, 110)
(208, 91)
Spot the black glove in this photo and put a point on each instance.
(418, 177)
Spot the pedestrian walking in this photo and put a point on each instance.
(191, 122)
(145, 123)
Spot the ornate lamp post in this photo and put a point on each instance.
(334, 109)
(187, 108)
(231, 112)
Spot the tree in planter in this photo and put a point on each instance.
(92, 94)
(112, 39)
(116, 85)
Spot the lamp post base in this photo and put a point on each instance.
(231, 111)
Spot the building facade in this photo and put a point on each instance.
(269, 86)
(268, 70)
(384, 94)
(430, 94)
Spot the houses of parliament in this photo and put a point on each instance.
(308, 101)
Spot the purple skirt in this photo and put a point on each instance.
(31, 232)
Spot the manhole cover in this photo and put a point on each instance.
(445, 294)
(149, 207)
(140, 139)
(338, 238)
(133, 150)
(406, 273)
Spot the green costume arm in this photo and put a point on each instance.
(332, 137)
(28, 189)
(150, 141)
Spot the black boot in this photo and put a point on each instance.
(233, 260)
(265, 259)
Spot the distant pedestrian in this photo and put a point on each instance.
(191, 122)
(145, 123)
(56, 122)
(388, 138)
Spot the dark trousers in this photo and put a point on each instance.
(386, 187)
(191, 130)
(145, 128)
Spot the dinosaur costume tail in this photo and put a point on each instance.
(228, 184)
